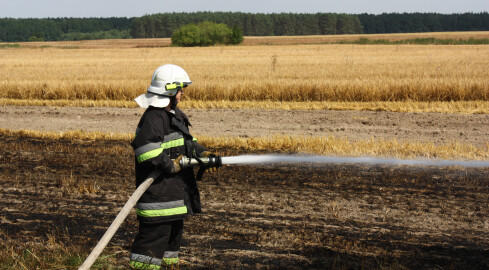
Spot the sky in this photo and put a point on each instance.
(136, 8)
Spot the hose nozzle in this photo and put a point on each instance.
(207, 162)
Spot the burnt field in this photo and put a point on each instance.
(67, 192)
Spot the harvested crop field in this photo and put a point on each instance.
(63, 194)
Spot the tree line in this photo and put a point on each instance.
(423, 22)
(251, 24)
(54, 29)
(283, 24)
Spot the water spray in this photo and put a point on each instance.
(298, 159)
(218, 161)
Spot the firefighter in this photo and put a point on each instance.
(162, 139)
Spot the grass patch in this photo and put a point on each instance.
(52, 254)
(5, 46)
(416, 41)
(463, 107)
(333, 146)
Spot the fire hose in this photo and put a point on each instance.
(217, 161)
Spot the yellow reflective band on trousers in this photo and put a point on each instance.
(162, 212)
(170, 261)
(140, 265)
(157, 152)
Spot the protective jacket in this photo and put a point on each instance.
(161, 136)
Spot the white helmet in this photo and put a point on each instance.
(167, 80)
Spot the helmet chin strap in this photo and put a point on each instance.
(173, 102)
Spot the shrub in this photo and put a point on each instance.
(237, 35)
(206, 34)
(36, 38)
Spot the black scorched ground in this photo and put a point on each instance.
(261, 217)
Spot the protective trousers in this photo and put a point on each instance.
(157, 245)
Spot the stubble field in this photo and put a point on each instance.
(58, 199)
(60, 192)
